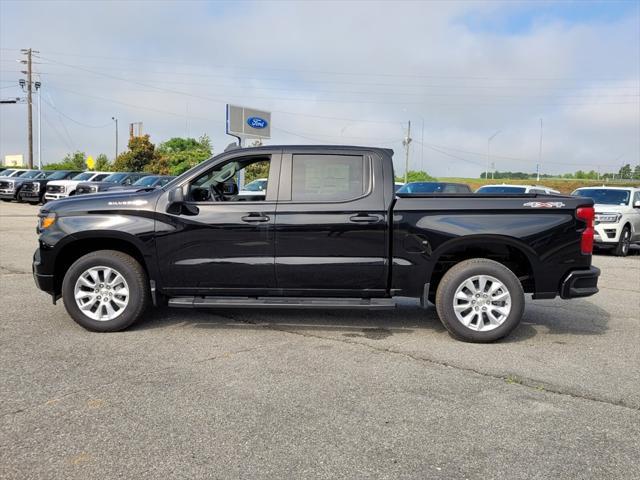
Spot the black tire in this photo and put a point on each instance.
(464, 271)
(624, 243)
(134, 275)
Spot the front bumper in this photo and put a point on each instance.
(580, 283)
(54, 196)
(8, 194)
(44, 282)
(607, 233)
(29, 196)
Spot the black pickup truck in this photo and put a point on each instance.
(329, 233)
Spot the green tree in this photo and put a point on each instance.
(256, 170)
(416, 176)
(140, 154)
(72, 161)
(636, 172)
(178, 155)
(102, 163)
(625, 172)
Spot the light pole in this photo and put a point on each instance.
(406, 142)
(116, 120)
(38, 85)
(486, 173)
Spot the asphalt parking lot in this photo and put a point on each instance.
(299, 394)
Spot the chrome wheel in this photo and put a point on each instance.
(482, 303)
(101, 293)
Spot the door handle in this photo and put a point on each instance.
(255, 217)
(364, 218)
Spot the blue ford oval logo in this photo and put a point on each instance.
(257, 122)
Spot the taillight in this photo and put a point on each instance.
(586, 242)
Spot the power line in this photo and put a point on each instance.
(75, 121)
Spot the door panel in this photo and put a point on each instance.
(326, 247)
(226, 246)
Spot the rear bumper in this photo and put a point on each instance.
(580, 283)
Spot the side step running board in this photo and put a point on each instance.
(282, 302)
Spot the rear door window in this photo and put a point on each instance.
(329, 178)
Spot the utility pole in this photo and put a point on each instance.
(539, 155)
(486, 172)
(29, 53)
(116, 120)
(406, 142)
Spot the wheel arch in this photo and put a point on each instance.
(510, 252)
(83, 243)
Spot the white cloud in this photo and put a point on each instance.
(352, 62)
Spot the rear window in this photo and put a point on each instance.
(501, 189)
(331, 178)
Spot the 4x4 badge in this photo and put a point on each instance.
(543, 204)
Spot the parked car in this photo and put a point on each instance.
(331, 233)
(115, 179)
(58, 189)
(516, 189)
(617, 220)
(150, 181)
(33, 190)
(13, 172)
(398, 185)
(257, 188)
(10, 186)
(434, 187)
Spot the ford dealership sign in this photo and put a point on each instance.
(257, 122)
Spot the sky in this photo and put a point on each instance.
(337, 73)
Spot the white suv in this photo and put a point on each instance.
(517, 189)
(617, 222)
(57, 189)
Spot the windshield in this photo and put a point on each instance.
(146, 181)
(7, 173)
(115, 177)
(501, 189)
(605, 196)
(83, 176)
(422, 187)
(256, 186)
(32, 174)
(59, 175)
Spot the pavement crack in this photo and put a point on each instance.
(528, 383)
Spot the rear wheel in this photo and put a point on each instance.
(480, 300)
(105, 291)
(622, 248)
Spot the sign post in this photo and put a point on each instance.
(247, 123)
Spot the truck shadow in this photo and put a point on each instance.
(550, 317)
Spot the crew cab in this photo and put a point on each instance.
(115, 179)
(33, 191)
(617, 216)
(10, 186)
(58, 189)
(329, 233)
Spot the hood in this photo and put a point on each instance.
(604, 208)
(97, 184)
(64, 183)
(105, 201)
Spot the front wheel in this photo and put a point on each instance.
(624, 244)
(105, 291)
(480, 300)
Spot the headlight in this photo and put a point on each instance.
(11, 186)
(45, 220)
(36, 187)
(93, 189)
(608, 217)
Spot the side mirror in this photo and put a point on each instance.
(176, 196)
